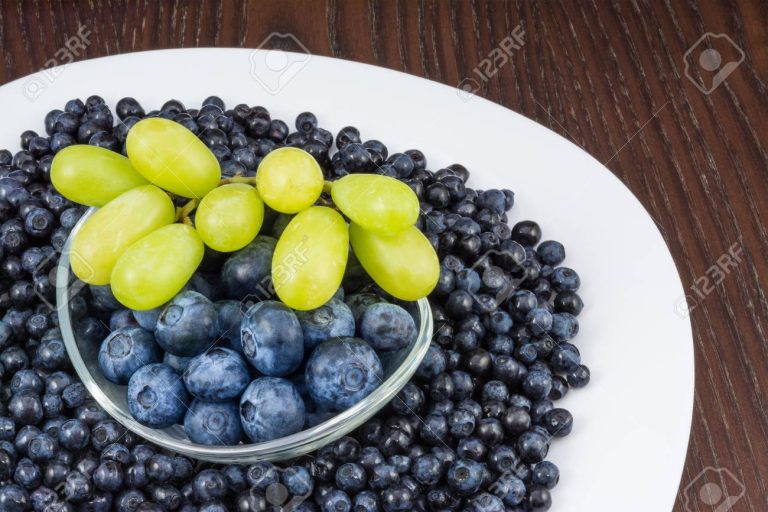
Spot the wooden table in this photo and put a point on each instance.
(609, 76)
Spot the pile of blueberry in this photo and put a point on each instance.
(470, 432)
(266, 371)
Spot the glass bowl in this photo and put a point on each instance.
(399, 367)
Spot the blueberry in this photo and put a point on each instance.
(129, 500)
(558, 422)
(42, 498)
(7, 429)
(100, 502)
(564, 278)
(331, 320)
(510, 489)
(356, 158)
(409, 400)
(218, 375)
(39, 222)
(55, 473)
(229, 316)
(545, 474)
(499, 322)
(397, 498)
(90, 413)
(564, 357)
(50, 354)
(106, 432)
(579, 376)
(23, 436)
(74, 395)
(495, 390)
(77, 487)
(539, 499)
(108, 476)
(272, 338)
(160, 468)
(342, 371)
(485, 502)
(13, 498)
(461, 423)
(182, 468)
(433, 364)
(126, 350)
(26, 380)
(6, 334)
(427, 469)
(25, 407)
(103, 298)
(537, 384)
(210, 506)
(550, 253)
(209, 484)
(213, 423)
(187, 324)
(178, 363)
(465, 476)
(359, 302)
(493, 200)
(156, 396)
(271, 408)
(42, 447)
(366, 501)
(116, 452)
(532, 445)
(306, 122)
(351, 477)
(539, 321)
(297, 480)
(520, 303)
(128, 107)
(37, 325)
(74, 435)
(262, 475)
(472, 448)
(122, 318)
(387, 327)
(27, 474)
(249, 269)
(147, 319)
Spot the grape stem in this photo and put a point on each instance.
(249, 180)
(182, 213)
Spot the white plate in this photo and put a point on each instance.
(632, 422)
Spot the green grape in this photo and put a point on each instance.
(289, 180)
(377, 203)
(405, 265)
(92, 175)
(172, 157)
(106, 234)
(310, 258)
(155, 268)
(229, 217)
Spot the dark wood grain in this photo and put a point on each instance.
(607, 75)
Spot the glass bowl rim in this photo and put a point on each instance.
(284, 448)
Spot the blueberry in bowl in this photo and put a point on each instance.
(219, 375)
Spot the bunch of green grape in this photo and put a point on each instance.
(147, 249)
